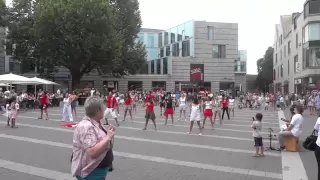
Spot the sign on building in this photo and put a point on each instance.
(196, 72)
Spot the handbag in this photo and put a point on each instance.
(310, 142)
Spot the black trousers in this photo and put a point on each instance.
(225, 110)
(317, 154)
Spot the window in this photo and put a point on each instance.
(152, 67)
(280, 55)
(175, 49)
(243, 66)
(173, 38)
(11, 67)
(160, 40)
(186, 48)
(276, 58)
(219, 51)
(168, 51)
(296, 64)
(141, 37)
(288, 67)
(166, 38)
(179, 37)
(285, 51)
(289, 47)
(150, 40)
(297, 41)
(274, 74)
(161, 52)
(210, 33)
(165, 66)
(281, 70)
(158, 66)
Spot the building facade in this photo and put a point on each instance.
(297, 50)
(195, 54)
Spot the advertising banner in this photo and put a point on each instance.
(196, 73)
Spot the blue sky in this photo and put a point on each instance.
(256, 18)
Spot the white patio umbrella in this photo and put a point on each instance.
(43, 81)
(4, 84)
(13, 79)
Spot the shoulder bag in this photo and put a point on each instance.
(310, 142)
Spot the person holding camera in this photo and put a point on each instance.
(257, 128)
(92, 154)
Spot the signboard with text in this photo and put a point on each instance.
(196, 72)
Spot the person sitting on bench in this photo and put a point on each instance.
(294, 128)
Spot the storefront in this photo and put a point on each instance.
(135, 85)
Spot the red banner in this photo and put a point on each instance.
(196, 72)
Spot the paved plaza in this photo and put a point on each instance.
(41, 149)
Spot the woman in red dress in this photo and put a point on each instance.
(44, 101)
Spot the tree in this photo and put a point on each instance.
(265, 70)
(79, 35)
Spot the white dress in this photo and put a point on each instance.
(66, 111)
(182, 104)
(231, 103)
(195, 113)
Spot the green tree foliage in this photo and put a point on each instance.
(265, 70)
(80, 35)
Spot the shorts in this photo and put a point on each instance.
(258, 141)
(43, 106)
(182, 107)
(110, 111)
(162, 104)
(128, 108)
(168, 111)
(208, 113)
(150, 115)
(74, 104)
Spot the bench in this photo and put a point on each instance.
(292, 143)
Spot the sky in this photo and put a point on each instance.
(256, 19)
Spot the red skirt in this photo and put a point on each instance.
(208, 113)
(168, 111)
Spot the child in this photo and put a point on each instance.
(257, 128)
(13, 113)
(150, 114)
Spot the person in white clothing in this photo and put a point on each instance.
(182, 106)
(66, 111)
(195, 115)
(231, 105)
(294, 128)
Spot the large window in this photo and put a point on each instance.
(160, 40)
(165, 66)
(150, 40)
(173, 38)
(311, 32)
(175, 49)
(210, 33)
(243, 66)
(219, 51)
(152, 66)
(141, 37)
(186, 48)
(168, 51)
(312, 58)
(296, 64)
(289, 47)
(281, 70)
(158, 62)
(166, 38)
(161, 52)
(274, 74)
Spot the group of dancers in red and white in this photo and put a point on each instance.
(208, 106)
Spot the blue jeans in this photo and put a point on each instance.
(97, 174)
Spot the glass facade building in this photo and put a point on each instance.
(150, 40)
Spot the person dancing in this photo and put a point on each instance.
(195, 115)
(111, 104)
(134, 102)
(225, 106)
(150, 114)
(67, 108)
(128, 106)
(231, 105)
(208, 106)
(217, 109)
(169, 108)
(162, 102)
(182, 106)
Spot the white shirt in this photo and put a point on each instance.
(317, 127)
(231, 102)
(182, 101)
(297, 121)
(281, 99)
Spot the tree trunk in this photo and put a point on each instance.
(76, 77)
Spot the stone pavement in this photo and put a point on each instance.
(41, 149)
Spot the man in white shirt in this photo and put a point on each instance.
(294, 128)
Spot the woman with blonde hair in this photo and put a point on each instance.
(92, 155)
